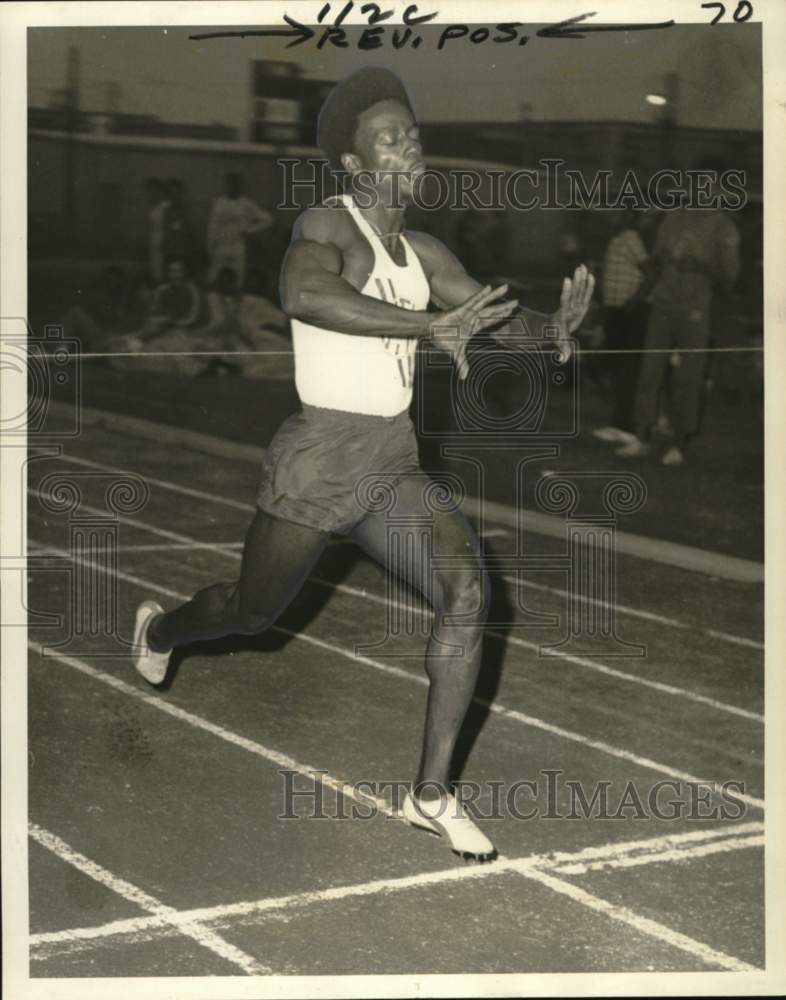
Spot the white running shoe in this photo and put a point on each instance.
(152, 666)
(447, 817)
(633, 449)
(613, 434)
(673, 456)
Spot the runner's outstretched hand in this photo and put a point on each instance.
(573, 305)
(451, 330)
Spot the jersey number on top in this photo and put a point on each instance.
(393, 345)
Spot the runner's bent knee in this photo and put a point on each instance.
(465, 594)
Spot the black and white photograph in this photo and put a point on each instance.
(388, 483)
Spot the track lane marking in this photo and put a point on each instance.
(227, 735)
(578, 661)
(640, 923)
(495, 707)
(649, 616)
(170, 547)
(672, 854)
(622, 608)
(695, 844)
(204, 936)
(165, 484)
(670, 689)
(739, 640)
(523, 867)
(713, 564)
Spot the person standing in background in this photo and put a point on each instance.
(695, 251)
(178, 236)
(158, 203)
(625, 289)
(233, 217)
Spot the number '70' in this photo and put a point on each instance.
(742, 11)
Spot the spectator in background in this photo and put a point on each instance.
(140, 300)
(268, 329)
(246, 333)
(177, 303)
(102, 311)
(233, 217)
(258, 309)
(178, 243)
(170, 336)
(158, 203)
(695, 250)
(625, 289)
(224, 332)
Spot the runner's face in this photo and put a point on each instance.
(387, 141)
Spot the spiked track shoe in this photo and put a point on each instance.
(447, 818)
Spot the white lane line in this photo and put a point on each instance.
(713, 564)
(224, 915)
(672, 554)
(202, 935)
(650, 616)
(739, 640)
(625, 609)
(156, 701)
(614, 751)
(663, 842)
(496, 707)
(670, 689)
(165, 484)
(133, 522)
(249, 508)
(170, 547)
(601, 668)
(673, 854)
(639, 923)
(578, 661)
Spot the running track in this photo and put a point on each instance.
(156, 847)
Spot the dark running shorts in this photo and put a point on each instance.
(319, 468)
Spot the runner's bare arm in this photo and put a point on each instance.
(450, 284)
(313, 290)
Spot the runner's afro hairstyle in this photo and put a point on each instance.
(338, 119)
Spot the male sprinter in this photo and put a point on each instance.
(357, 289)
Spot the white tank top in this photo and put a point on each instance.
(364, 374)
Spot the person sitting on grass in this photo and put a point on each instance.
(102, 311)
(176, 303)
(246, 332)
(169, 336)
(224, 331)
(267, 326)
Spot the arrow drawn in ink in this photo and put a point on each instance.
(569, 29)
(298, 32)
